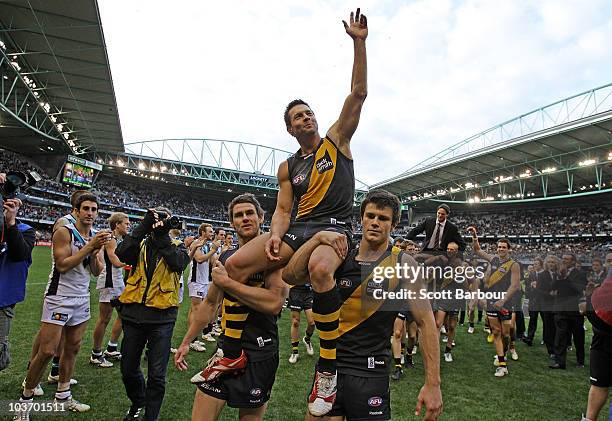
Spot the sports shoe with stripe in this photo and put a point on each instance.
(293, 358)
(218, 365)
(55, 379)
(23, 413)
(113, 355)
(73, 405)
(308, 345)
(100, 361)
(38, 390)
(133, 413)
(501, 371)
(323, 394)
(197, 346)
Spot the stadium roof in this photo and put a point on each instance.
(56, 80)
(555, 151)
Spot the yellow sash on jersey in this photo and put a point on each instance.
(497, 276)
(359, 306)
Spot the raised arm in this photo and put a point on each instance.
(282, 213)
(201, 257)
(342, 130)
(476, 246)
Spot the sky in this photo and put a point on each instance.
(438, 71)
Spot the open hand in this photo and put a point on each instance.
(357, 28)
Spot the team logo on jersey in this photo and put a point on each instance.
(375, 401)
(324, 164)
(345, 283)
(61, 317)
(255, 392)
(298, 179)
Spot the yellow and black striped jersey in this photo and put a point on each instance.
(366, 323)
(323, 183)
(260, 334)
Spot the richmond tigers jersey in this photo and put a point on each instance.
(505, 281)
(323, 183)
(366, 323)
(260, 335)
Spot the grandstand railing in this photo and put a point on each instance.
(576, 107)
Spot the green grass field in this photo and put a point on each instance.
(470, 391)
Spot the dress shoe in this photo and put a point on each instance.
(556, 366)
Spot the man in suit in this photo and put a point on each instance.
(439, 232)
(545, 301)
(568, 291)
(531, 293)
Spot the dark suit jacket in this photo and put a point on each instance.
(544, 285)
(451, 233)
(569, 291)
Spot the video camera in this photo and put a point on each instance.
(174, 222)
(16, 182)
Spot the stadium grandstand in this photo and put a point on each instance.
(542, 179)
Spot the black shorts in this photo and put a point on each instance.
(300, 232)
(406, 316)
(299, 299)
(600, 357)
(504, 314)
(362, 398)
(251, 389)
(450, 307)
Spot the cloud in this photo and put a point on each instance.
(438, 72)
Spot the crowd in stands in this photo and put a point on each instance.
(129, 197)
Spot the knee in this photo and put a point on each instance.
(397, 334)
(105, 318)
(319, 271)
(295, 323)
(46, 352)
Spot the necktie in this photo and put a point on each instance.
(437, 237)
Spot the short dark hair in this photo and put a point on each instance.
(290, 106)
(506, 241)
(400, 239)
(596, 259)
(382, 199)
(245, 198)
(219, 229)
(75, 195)
(85, 197)
(445, 207)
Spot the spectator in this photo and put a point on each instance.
(16, 243)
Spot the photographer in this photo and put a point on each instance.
(16, 243)
(148, 307)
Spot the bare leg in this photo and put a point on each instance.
(396, 340)
(251, 258)
(116, 330)
(48, 337)
(206, 408)
(252, 414)
(597, 399)
(106, 312)
(72, 345)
